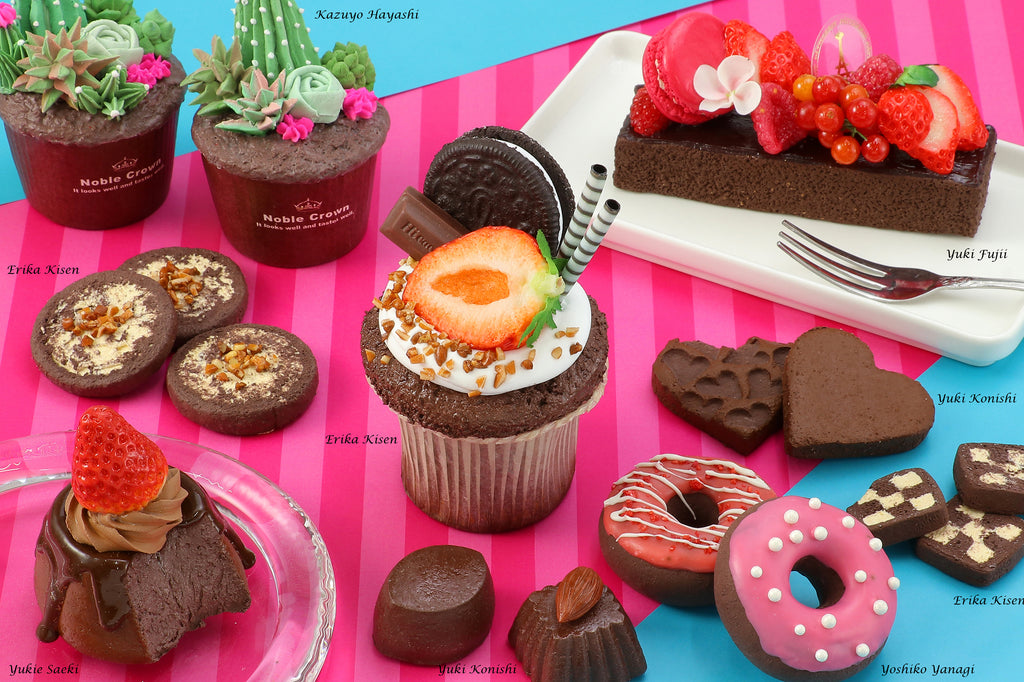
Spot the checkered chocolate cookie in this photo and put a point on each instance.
(902, 505)
(975, 547)
(990, 476)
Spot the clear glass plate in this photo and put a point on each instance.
(283, 636)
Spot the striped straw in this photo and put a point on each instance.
(585, 208)
(588, 245)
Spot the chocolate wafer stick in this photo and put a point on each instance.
(585, 208)
(588, 245)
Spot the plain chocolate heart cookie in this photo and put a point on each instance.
(837, 403)
(733, 394)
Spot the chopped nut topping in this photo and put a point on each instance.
(370, 355)
(182, 284)
(236, 361)
(93, 322)
(556, 352)
(575, 348)
(571, 332)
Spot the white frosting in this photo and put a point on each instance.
(218, 286)
(575, 314)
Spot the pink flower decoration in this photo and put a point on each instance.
(359, 103)
(151, 69)
(732, 84)
(7, 14)
(294, 129)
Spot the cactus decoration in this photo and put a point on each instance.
(114, 96)
(219, 77)
(260, 107)
(273, 36)
(12, 47)
(350, 63)
(56, 65)
(156, 34)
(120, 11)
(40, 16)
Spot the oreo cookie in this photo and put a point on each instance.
(206, 288)
(105, 334)
(499, 176)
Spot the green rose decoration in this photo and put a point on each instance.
(107, 38)
(317, 93)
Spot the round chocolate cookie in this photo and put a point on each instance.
(105, 334)
(501, 176)
(243, 379)
(207, 288)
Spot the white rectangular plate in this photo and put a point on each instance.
(579, 123)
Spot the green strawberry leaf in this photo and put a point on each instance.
(550, 284)
(918, 74)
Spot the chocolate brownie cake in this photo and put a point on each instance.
(207, 288)
(243, 379)
(576, 630)
(902, 505)
(105, 334)
(720, 162)
(974, 547)
(133, 607)
(990, 477)
(733, 394)
(435, 607)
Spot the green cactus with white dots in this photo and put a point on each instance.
(273, 36)
(40, 16)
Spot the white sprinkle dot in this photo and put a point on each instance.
(880, 607)
(775, 544)
(799, 630)
(796, 537)
(848, 522)
(860, 576)
(863, 650)
(791, 516)
(875, 544)
(775, 595)
(828, 621)
(756, 571)
(821, 655)
(820, 533)
(814, 503)
(894, 583)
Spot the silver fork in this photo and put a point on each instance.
(874, 280)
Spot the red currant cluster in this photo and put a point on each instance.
(842, 115)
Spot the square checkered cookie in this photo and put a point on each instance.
(901, 506)
(990, 476)
(975, 547)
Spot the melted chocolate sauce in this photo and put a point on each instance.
(70, 561)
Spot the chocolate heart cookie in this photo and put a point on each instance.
(733, 394)
(839, 404)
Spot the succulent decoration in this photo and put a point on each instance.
(57, 64)
(113, 96)
(156, 34)
(350, 63)
(273, 36)
(260, 107)
(40, 16)
(120, 11)
(12, 47)
(219, 77)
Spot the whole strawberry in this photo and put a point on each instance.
(114, 468)
(877, 74)
(783, 61)
(644, 116)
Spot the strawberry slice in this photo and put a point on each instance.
(743, 39)
(783, 61)
(114, 468)
(973, 133)
(938, 148)
(904, 116)
(484, 288)
(774, 119)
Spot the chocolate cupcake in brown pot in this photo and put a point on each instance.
(91, 111)
(289, 139)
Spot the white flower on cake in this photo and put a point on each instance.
(732, 84)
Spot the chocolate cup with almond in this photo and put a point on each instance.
(293, 204)
(89, 171)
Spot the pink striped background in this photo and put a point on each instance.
(353, 492)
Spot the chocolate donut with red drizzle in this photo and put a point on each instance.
(663, 521)
(843, 561)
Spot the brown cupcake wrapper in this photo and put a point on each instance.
(491, 485)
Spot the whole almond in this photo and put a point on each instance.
(578, 592)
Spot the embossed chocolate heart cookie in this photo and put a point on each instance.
(733, 394)
(838, 403)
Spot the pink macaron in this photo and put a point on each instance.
(671, 59)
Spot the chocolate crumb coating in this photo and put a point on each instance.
(733, 394)
(600, 645)
(435, 607)
(459, 415)
(720, 162)
(990, 476)
(974, 547)
(902, 505)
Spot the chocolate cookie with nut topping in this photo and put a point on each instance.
(243, 379)
(105, 334)
(207, 288)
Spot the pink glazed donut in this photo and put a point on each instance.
(839, 556)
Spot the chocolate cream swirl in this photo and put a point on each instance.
(144, 530)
